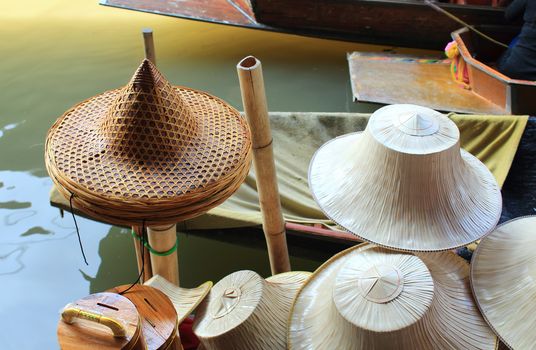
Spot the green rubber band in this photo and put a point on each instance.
(152, 250)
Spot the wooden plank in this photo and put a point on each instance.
(405, 79)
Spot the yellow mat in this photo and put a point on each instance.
(493, 139)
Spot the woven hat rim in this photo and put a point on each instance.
(472, 273)
(357, 135)
(325, 266)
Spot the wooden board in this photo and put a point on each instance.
(392, 79)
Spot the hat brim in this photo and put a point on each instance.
(503, 272)
(185, 300)
(209, 170)
(373, 215)
(452, 322)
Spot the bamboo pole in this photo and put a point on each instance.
(147, 269)
(149, 45)
(162, 239)
(254, 100)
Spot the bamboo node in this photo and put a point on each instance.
(267, 145)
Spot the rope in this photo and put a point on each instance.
(152, 250)
(142, 242)
(77, 230)
(453, 17)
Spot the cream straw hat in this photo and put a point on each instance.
(404, 183)
(185, 300)
(367, 297)
(244, 311)
(148, 152)
(503, 278)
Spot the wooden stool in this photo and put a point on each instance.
(102, 321)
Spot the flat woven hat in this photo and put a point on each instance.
(244, 311)
(404, 183)
(148, 152)
(367, 297)
(185, 300)
(503, 278)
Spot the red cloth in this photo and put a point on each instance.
(188, 339)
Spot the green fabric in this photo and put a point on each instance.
(493, 139)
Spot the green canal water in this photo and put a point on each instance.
(56, 53)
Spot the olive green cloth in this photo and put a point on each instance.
(493, 139)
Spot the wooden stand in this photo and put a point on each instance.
(163, 238)
(254, 100)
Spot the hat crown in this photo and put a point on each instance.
(380, 283)
(226, 302)
(377, 282)
(412, 129)
(417, 123)
(148, 120)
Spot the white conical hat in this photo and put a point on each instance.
(367, 297)
(404, 183)
(503, 277)
(244, 311)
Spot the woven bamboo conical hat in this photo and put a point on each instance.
(148, 152)
(367, 297)
(244, 311)
(404, 183)
(185, 300)
(503, 278)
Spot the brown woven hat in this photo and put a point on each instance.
(367, 297)
(404, 183)
(148, 152)
(503, 278)
(244, 311)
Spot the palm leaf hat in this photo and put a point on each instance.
(405, 184)
(245, 311)
(368, 297)
(503, 278)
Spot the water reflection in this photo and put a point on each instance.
(40, 261)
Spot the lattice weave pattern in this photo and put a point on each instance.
(149, 151)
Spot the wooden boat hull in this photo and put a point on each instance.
(511, 95)
(402, 23)
(389, 22)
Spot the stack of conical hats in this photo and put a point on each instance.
(402, 184)
(149, 152)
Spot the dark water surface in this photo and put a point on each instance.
(57, 53)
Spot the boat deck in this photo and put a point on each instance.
(427, 82)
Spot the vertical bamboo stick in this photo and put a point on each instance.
(147, 270)
(149, 45)
(162, 239)
(254, 100)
